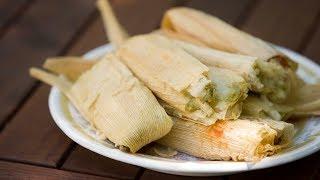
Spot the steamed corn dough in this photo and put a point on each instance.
(176, 77)
(276, 70)
(237, 140)
(119, 106)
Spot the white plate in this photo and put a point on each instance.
(71, 123)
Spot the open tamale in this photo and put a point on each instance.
(116, 103)
(275, 67)
(237, 140)
(174, 75)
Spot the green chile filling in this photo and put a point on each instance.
(208, 97)
(274, 78)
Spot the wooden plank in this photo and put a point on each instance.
(91, 38)
(32, 136)
(44, 30)
(285, 22)
(149, 174)
(312, 50)
(140, 16)
(19, 171)
(83, 160)
(228, 10)
(301, 169)
(9, 9)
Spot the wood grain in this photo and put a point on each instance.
(9, 9)
(32, 135)
(140, 16)
(44, 30)
(83, 160)
(284, 22)
(17, 171)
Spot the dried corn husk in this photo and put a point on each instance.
(119, 106)
(261, 107)
(115, 31)
(218, 34)
(238, 140)
(71, 67)
(246, 66)
(173, 75)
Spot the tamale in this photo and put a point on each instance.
(217, 34)
(175, 76)
(246, 66)
(116, 103)
(276, 68)
(237, 140)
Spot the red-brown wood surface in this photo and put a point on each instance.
(12, 171)
(32, 30)
(32, 135)
(43, 30)
(10, 9)
(285, 22)
(83, 160)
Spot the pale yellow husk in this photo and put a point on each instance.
(238, 140)
(119, 106)
(246, 66)
(115, 32)
(261, 107)
(71, 67)
(217, 34)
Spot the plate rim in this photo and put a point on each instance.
(179, 167)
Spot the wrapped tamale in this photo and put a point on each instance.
(115, 102)
(237, 140)
(217, 34)
(174, 75)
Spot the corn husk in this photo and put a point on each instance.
(246, 66)
(71, 67)
(120, 107)
(115, 32)
(306, 101)
(218, 34)
(238, 140)
(261, 107)
(170, 72)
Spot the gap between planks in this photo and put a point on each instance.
(14, 17)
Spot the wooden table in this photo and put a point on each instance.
(31, 145)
